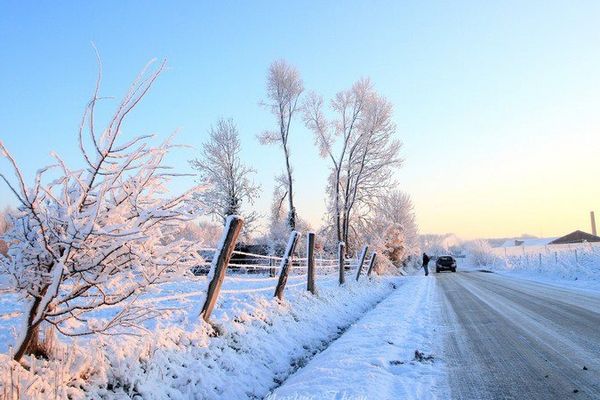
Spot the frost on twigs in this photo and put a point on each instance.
(228, 181)
(85, 245)
(284, 89)
(356, 133)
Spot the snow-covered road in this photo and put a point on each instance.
(491, 337)
(375, 358)
(513, 339)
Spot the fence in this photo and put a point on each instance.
(546, 249)
(572, 253)
(565, 261)
(276, 271)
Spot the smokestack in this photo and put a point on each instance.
(593, 218)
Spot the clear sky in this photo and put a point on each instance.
(497, 103)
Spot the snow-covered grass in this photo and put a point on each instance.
(255, 342)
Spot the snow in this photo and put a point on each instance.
(573, 266)
(254, 343)
(375, 358)
(355, 341)
(526, 242)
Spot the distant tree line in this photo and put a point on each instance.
(354, 131)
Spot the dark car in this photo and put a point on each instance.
(445, 263)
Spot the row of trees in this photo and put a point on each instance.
(354, 131)
(105, 232)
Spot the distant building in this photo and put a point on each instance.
(576, 237)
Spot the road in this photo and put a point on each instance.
(513, 339)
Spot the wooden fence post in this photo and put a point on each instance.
(361, 260)
(371, 263)
(219, 263)
(272, 269)
(310, 262)
(341, 259)
(285, 264)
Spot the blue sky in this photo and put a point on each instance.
(498, 104)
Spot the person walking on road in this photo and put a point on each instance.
(426, 259)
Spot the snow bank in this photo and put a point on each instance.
(251, 349)
(375, 358)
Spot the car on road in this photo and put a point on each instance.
(445, 263)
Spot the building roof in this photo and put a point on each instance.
(576, 237)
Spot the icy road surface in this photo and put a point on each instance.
(514, 339)
(490, 337)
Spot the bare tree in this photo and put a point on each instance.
(97, 236)
(360, 143)
(226, 179)
(284, 88)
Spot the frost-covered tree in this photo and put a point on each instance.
(360, 142)
(99, 235)
(435, 244)
(204, 233)
(277, 233)
(481, 253)
(226, 180)
(284, 88)
(392, 229)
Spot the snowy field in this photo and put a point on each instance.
(376, 338)
(181, 300)
(574, 266)
(255, 342)
(535, 249)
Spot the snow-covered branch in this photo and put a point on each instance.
(360, 142)
(226, 180)
(98, 236)
(284, 88)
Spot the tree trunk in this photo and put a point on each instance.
(30, 341)
(292, 210)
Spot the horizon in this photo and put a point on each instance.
(496, 105)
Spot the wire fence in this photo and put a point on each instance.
(253, 267)
(544, 250)
(259, 272)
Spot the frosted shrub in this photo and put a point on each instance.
(97, 236)
(481, 253)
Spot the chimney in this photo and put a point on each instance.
(593, 218)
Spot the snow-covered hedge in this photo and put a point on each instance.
(481, 254)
